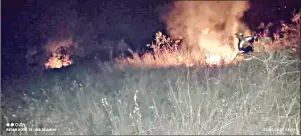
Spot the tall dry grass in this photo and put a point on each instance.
(259, 96)
(251, 98)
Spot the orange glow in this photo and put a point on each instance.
(54, 62)
(210, 52)
(60, 53)
(180, 58)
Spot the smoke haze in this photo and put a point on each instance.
(187, 19)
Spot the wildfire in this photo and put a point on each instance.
(55, 62)
(60, 53)
(207, 31)
(213, 59)
(213, 54)
(221, 55)
(218, 59)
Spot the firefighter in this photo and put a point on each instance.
(245, 44)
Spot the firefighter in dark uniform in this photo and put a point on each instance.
(245, 44)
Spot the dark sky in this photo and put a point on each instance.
(27, 23)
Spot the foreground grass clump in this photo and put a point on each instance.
(254, 97)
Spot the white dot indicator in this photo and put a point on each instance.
(7, 124)
(12, 124)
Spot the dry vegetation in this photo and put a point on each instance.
(259, 96)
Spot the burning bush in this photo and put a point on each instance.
(167, 52)
(60, 53)
(214, 49)
(207, 31)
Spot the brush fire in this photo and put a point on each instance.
(170, 53)
(203, 33)
(207, 31)
(60, 54)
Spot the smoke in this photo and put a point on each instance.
(192, 20)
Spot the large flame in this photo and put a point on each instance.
(192, 19)
(56, 62)
(218, 54)
(60, 53)
(207, 28)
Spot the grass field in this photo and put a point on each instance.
(259, 96)
(253, 97)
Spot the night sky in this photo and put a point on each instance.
(27, 23)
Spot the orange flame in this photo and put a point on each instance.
(55, 62)
(60, 52)
(215, 55)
